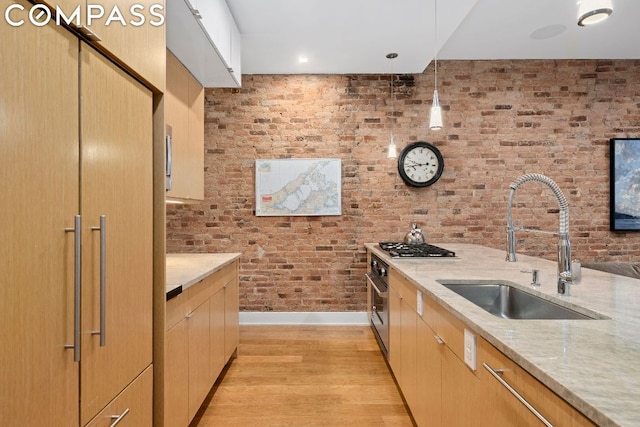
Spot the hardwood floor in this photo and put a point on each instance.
(305, 376)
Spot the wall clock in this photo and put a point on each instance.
(420, 164)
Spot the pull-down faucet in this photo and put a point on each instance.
(564, 247)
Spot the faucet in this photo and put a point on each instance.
(564, 247)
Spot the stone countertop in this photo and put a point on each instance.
(592, 364)
(184, 270)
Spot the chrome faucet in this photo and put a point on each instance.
(564, 247)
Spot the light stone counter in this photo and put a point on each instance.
(592, 364)
(184, 270)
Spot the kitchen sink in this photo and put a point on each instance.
(509, 302)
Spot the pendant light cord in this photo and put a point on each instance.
(435, 42)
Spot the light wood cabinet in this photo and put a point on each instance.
(202, 336)
(116, 184)
(513, 412)
(132, 407)
(442, 390)
(84, 153)
(176, 394)
(184, 117)
(39, 162)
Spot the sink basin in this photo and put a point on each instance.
(509, 302)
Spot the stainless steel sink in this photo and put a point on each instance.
(509, 302)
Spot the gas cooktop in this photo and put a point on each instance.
(420, 250)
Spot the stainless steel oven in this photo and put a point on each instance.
(379, 301)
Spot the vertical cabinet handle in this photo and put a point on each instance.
(517, 395)
(117, 418)
(438, 339)
(169, 165)
(103, 278)
(76, 287)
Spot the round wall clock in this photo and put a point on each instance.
(420, 164)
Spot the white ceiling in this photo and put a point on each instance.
(354, 36)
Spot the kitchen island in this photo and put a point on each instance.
(594, 365)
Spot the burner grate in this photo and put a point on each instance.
(421, 250)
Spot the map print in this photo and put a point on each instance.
(298, 187)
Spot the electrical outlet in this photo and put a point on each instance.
(470, 349)
(419, 306)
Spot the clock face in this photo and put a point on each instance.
(420, 164)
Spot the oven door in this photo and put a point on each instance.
(379, 310)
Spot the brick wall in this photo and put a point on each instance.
(502, 119)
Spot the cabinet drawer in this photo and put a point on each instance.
(445, 325)
(176, 310)
(198, 294)
(134, 405)
(551, 406)
(403, 287)
(220, 278)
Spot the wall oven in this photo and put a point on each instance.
(379, 301)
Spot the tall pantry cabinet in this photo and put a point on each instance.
(76, 248)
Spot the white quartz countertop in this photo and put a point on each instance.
(184, 270)
(593, 364)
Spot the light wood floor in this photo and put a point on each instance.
(305, 376)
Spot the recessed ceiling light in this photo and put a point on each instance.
(303, 59)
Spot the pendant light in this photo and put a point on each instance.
(392, 151)
(593, 11)
(435, 121)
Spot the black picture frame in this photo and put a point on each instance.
(624, 177)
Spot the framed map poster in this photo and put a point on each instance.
(298, 187)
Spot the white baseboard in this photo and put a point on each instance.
(355, 318)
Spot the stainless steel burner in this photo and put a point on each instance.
(422, 250)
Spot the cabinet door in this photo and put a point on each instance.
(116, 181)
(140, 48)
(231, 317)
(184, 113)
(132, 408)
(460, 392)
(217, 332)
(427, 410)
(176, 376)
(408, 353)
(39, 172)
(199, 364)
(395, 331)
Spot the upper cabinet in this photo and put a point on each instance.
(131, 34)
(203, 35)
(184, 119)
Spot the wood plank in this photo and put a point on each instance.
(305, 376)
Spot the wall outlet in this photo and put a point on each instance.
(470, 349)
(419, 306)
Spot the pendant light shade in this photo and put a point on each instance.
(435, 121)
(393, 152)
(593, 11)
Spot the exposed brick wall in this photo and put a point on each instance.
(502, 119)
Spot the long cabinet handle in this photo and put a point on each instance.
(438, 339)
(118, 418)
(517, 395)
(103, 279)
(76, 286)
(169, 164)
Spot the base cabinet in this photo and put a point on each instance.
(427, 359)
(513, 412)
(132, 407)
(202, 335)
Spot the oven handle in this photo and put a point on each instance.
(378, 291)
